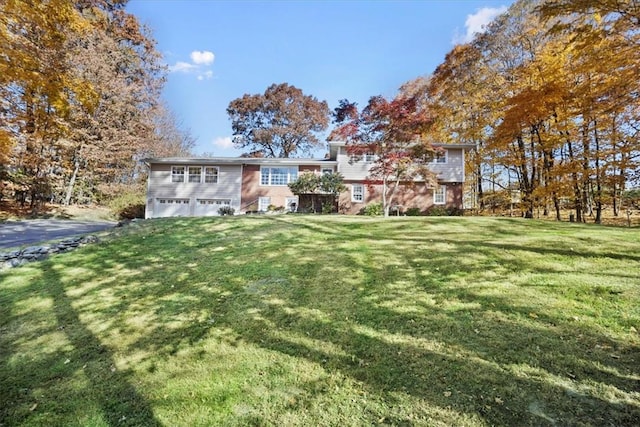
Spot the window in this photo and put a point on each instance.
(177, 173)
(439, 195)
(291, 203)
(211, 174)
(195, 172)
(327, 171)
(357, 193)
(173, 201)
(367, 158)
(263, 203)
(277, 176)
(440, 157)
(216, 202)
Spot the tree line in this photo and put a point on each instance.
(548, 94)
(80, 84)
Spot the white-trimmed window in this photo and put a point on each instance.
(211, 174)
(441, 157)
(195, 174)
(173, 201)
(439, 195)
(366, 157)
(357, 193)
(177, 173)
(280, 176)
(216, 202)
(263, 204)
(326, 171)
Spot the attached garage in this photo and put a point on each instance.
(210, 207)
(165, 207)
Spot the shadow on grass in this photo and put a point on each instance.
(483, 356)
(56, 375)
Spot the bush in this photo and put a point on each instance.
(274, 208)
(327, 208)
(413, 212)
(454, 211)
(128, 205)
(374, 209)
(443, 211)
(226, 210)
(437, 211)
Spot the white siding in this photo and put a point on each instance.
(351, 171)
(452, 171)
(160, 186)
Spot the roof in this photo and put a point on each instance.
(333, 154)
(237, 161)
(334, 145)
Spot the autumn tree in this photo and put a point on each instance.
(548, 95)
(36, 86)
(80, 84)
(460, 95)
(282, 122)
(393, 133)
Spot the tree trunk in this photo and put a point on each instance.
(72, 182)
(598, 194)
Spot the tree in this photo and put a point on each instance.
(282, 122)
(549, 95)
(327, 186)
(393, 132)
(80, 85)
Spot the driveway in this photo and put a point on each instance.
(31, 232)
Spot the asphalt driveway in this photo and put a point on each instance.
(31, 232)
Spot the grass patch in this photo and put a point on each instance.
(295, 320)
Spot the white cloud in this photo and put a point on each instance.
(206, 75)
(477, 23)
(202, 58)
(198, 65)
(181, 67)
(223, 142)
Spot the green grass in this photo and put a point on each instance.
(328, 320)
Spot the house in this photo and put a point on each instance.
(201, 186)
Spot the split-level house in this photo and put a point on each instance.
(201, 186)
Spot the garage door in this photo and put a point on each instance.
(171, 207)
(209, 207)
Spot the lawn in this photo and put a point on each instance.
(327, 320)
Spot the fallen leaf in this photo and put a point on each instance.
(498, 401)
(533, 315)
(67, 361)
(33, 407)
(447, 393)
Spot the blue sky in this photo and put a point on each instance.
(219, 50)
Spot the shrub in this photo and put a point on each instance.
(274, 208)
(327, 208)
(443, 211)
(128, 205)
(455, 211)
(437, 211)
(413, 212)
(373, 209)
(226, 210)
